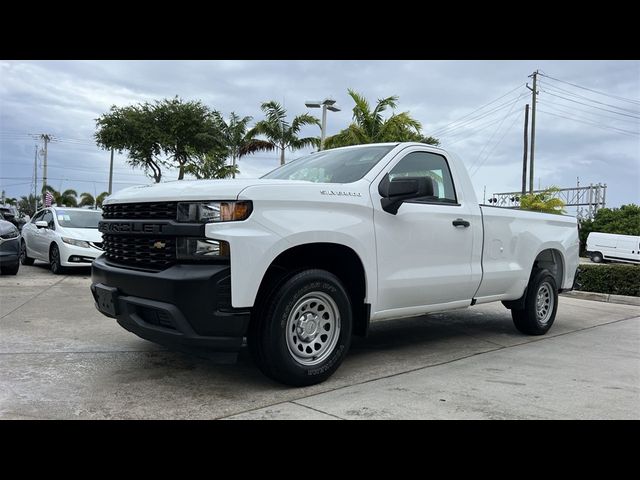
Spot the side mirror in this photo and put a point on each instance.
(401, 189)
(42, 224)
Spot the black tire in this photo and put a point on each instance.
(596, 257)
(11, 269)
(24, 259)
(54, 260)
(531, 320)
(269, 338)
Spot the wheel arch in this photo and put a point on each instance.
(339, 259)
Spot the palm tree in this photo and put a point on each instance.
(236, 140)
(369, 126)
(282, 134)
(27, 205)
(212, 165)
(64, 199)
(101, 198)
(86, 199)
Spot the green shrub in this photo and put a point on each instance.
(619, 279)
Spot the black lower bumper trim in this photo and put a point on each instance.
(183, 305)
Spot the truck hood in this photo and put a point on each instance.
(192, 190)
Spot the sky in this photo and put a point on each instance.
(587, 123)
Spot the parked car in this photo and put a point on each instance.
(62, 237)
(9, 248)
(612, 247)
(10, 214)
(309, 254)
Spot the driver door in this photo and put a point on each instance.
(423, 258)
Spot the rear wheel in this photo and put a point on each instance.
(302, 333)
(24, 258)
(596, 257)
(54, 260)
(540, 306)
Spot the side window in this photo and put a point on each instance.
(48, 217)
(38, 216)
(425, 164)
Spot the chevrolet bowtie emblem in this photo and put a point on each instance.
(159, 245)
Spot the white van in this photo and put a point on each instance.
(609, 246)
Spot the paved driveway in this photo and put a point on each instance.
(59, 358)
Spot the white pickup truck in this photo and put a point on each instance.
(303, 258)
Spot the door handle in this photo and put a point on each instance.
(458, 222)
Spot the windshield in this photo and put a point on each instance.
(332, 166)
(79, 218)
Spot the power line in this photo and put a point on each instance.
(596, 114)
(443, 131)
(624, 99)
(555, 88)
(494, 133)
(600, 125)
(445, 127)
(495, 146)
(587, 105)
(478, 130)
(556, 93)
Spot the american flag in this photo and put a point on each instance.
(48, 199)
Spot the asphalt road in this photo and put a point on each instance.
(61, 359)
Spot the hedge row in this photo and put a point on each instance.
(619, 279)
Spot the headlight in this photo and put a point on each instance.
(205, 212)
(9, 234)
(201, 249)
(77, 243)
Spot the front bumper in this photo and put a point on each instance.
(73, 256)
(183, 305)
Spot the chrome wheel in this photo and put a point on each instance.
(313, 328)
(55, 260)
(544, 303)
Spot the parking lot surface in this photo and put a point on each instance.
(61, 359)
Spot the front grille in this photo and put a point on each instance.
(141, 211)
(154, 253)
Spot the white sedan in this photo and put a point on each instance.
(62, 237)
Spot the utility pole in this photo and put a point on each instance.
(534, 94)
(46, 138)
(524, 156)
(35, 180)
(111, 172)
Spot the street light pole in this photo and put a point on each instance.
(326, 104)
(323, 132)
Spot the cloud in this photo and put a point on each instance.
(64, 98)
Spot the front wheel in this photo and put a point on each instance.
(24, 258)
(596, 257)
(54, 260)
(540, 306)
(10, 269)
(303, 331)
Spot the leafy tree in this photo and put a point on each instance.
(133, 129)
(281, 134)
(187, 131)
(27, 204)
(101, 198)
(11, 201)
(68, 198)
(623, 221)
(369, 126)
(234, 136)
(212, 165)
(86, 200)
(544, 201)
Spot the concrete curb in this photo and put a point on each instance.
(604, 297)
